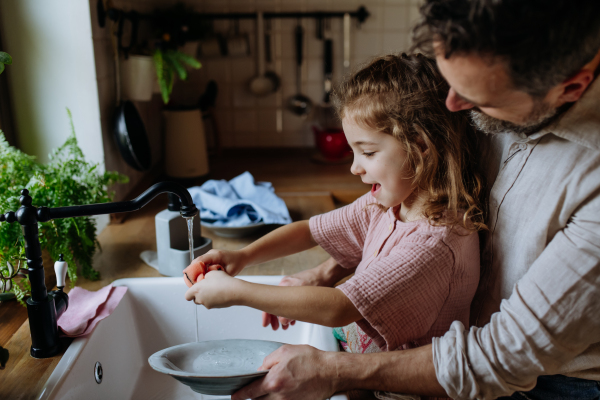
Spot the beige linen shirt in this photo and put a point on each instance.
(537, 307)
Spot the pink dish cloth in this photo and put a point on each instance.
(87, 308)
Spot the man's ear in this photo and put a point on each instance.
(571, 89)
(574, 87)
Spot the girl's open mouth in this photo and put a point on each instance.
(375, 188)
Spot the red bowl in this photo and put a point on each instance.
(331, 143)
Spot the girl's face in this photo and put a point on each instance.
(380, 161)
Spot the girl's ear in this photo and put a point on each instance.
(422, 140)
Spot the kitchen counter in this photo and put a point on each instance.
(307, 188)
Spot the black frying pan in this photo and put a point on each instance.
(130, 136)
(129, 131)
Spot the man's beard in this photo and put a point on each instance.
(541, 115)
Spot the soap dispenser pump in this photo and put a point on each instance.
(60, 269)
(172, 245)
(61, 298)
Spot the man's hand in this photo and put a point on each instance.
(296, 373)
(216, 290)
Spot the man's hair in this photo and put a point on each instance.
(404, 96)
(542, 42)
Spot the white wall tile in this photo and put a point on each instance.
(395, 17)
(395, 42)
(368, 44)
(245, 121)
(242, 98)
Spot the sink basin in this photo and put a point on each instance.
(152, 316)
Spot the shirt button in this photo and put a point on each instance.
(391, 226)
(375, 255)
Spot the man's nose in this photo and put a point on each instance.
(455, 103)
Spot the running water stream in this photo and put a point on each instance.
(190, 224)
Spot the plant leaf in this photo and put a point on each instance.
(174, 63)
(187, 59)
(5, 58)
(164, 75)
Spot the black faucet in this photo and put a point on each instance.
(45, 308)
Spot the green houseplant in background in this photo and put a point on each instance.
(66, 180)
(168, 64)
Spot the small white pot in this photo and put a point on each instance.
(137, 77)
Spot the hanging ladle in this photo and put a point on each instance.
(299, 104)
(264, 83)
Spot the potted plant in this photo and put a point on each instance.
(66, 180)
(172, 29)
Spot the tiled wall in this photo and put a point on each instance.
(243, 119)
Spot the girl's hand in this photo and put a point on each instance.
(233, 262)
(274, 320)
(216, 290)
(196, 271)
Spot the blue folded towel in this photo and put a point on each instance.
(239, 202)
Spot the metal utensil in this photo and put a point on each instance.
(299, 104)
(346, 41)
(262, 84)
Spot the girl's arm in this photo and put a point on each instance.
(281, 242)
(289, 239)
(319, 305)
(326, 274)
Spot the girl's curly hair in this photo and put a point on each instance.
(404, 96)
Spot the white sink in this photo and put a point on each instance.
(154, 315)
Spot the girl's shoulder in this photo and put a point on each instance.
(453, 236)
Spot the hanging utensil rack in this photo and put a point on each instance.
(361, 14)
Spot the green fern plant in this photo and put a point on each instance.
(170, 63)
(5, 59)
(66, 180)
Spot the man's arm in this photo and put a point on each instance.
(303, 372)
(550, 318)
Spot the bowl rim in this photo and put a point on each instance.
(210, 226)
(183, 374)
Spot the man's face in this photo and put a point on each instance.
(483, 86)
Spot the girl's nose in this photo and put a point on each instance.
(455, 103)
(356, 169)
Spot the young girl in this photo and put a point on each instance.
(411, 241)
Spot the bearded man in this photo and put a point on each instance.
(527, 71)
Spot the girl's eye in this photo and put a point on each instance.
(367, 154)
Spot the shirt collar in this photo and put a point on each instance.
(580, 123)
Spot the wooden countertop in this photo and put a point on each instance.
(307, 188)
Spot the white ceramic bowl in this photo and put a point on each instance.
(215, 367)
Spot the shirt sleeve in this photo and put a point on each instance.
(342, 232)
(400, 296)
(552, 316)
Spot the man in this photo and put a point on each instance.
(527, 69)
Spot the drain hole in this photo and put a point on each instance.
(98, 372)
